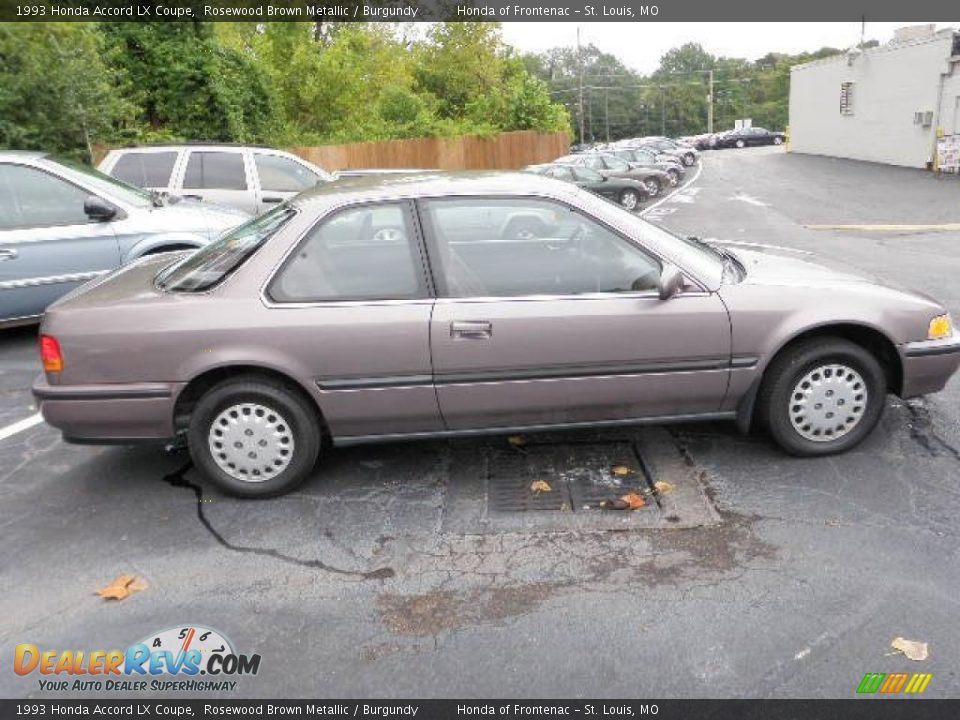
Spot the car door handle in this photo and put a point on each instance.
(272, 200)
(8, 254)
(474, 329)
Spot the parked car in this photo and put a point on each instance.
(370, 311)
(251, 178)
(62, 224)
(644, 157)
(749, 137)
(654, 179)
(629, 193)
(688, 155)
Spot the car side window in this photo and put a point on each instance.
(146, 170)
(30, 197)
(560, 173)
(366, 252)
(507, 247)
(594, 162)
(215, 171)
(280, 174)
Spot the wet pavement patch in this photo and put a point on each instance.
(492, 486)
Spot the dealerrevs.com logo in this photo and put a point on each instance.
(186, 658)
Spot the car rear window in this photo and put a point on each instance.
(146, 170)
(210, 265)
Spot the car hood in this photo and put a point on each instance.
(775, 265)
(188, 213)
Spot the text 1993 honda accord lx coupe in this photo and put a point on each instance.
(437, 305)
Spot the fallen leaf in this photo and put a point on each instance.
(617, 504)
(121, 587)
(517, 440)
(663, 487)
(620, 470)
(540, 486)
(913, 649)
(633, 501)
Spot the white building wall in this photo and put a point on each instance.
(891, 84)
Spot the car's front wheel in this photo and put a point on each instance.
(630, 199)
(778, 141)
(653, 186)
(689, 159)
(674, 177)
(254, 437)
(741, 143)
(822, 397)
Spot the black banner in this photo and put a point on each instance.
(467, 10)
(863, 709)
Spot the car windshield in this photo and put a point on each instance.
(98, 183)
(212, 264)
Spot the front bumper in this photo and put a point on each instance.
(928, 365)
(108, 414)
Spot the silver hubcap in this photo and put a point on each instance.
(629, 200)
(251, 442)
(652, 188)
(828, 402)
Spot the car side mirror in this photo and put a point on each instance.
(97, 208)
(671, 281)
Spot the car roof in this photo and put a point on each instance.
(432, 185)
(191, 144)
(21, 155)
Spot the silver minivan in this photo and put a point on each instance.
(62, 224)
(251, 178)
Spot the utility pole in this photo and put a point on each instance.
(580, 84)
(710, 105)
(663, 112)
(606, 112)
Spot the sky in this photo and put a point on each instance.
(640, 45)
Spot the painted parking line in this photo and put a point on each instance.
(20, 426)
(664, 199)
(943, 227)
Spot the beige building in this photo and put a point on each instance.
(883, 104)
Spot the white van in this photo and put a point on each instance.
(247, 177)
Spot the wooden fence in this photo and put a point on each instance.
(506, 151)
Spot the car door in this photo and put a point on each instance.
(278, 178)
(48, 245)
(566, 327)
(354, 297)
(221, 176)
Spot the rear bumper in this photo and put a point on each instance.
(928, 365)
(108, 414)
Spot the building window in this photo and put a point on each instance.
(846, 98)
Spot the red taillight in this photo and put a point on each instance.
(50, 354)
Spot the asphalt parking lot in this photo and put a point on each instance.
(408, 570)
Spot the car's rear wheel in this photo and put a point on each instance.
(674, 176)
(822, 397)
(653, 186)
(741, 143)
(689, 159)
(630, 199)
(254, 437)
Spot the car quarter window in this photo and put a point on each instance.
(366, 252)
(560, 173)
(280, 174)
(33, 198)
(146, 170)
(215, 171)
(504, 247)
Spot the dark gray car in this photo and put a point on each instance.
(62, 224)
(378, 309)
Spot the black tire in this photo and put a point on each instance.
(299, 420)
(630, 199)
(778, 141)
(741, 144)
(653, 181)
(674, 176)
(689, 159)
(776, 400)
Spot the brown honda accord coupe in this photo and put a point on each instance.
(424, 306)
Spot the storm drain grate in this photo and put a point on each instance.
(578, 473)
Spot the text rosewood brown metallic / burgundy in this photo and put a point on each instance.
(404, 307)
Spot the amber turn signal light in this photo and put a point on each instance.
(940, 327)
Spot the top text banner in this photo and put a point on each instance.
(478, 10)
